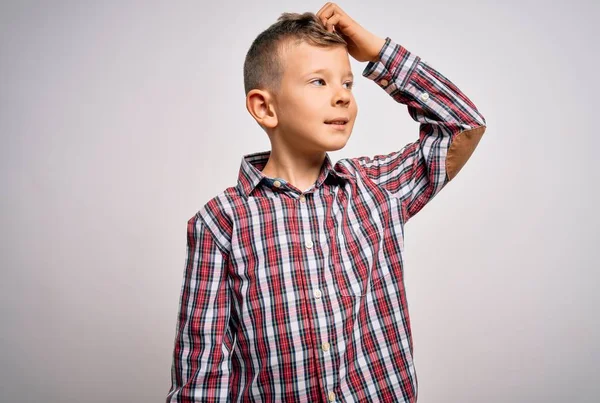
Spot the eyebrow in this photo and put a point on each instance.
(348, 73)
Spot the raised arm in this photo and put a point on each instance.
(449, 131)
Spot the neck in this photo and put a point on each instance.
(298, 169)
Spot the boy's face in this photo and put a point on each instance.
(309, 97)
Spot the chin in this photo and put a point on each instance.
(329, 142)
(336, 145)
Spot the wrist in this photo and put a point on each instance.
(378, 44)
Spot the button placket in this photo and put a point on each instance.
(310, 244)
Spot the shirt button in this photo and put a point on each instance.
(331, 396)
(384, 82)
(302, 199)
(317, 293)
(424, 96)
(309, 244)
(277, 184)
(325, 346)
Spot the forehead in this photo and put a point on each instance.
(302, 59)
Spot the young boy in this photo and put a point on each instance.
(293, 286)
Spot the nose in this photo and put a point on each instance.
(342, 96)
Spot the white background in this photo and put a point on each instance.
(120, 119)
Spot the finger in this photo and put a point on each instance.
(318, 14)
(332, 8)
(332, 22)
(326, 12)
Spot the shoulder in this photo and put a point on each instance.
(351, 167)
(348, 166)
(217, 216)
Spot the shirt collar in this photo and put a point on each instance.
(250, 174)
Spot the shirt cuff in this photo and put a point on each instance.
(393, 67)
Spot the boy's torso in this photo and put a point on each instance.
(319, 271)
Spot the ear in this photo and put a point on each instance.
(261, 106)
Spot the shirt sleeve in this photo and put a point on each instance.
(204, 338)
(450, 129)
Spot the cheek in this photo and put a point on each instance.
(289, 116)
(301, 109)
(308, 114)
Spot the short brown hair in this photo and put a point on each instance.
(263, 67)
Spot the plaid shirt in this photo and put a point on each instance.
(293, 295)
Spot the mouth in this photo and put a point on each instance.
(337, 123)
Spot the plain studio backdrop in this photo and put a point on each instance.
(120, 119)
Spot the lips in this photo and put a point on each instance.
(337, 121)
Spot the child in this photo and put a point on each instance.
(293, 286)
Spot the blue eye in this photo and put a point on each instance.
(350, 83)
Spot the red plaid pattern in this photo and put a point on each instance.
(293, 295)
